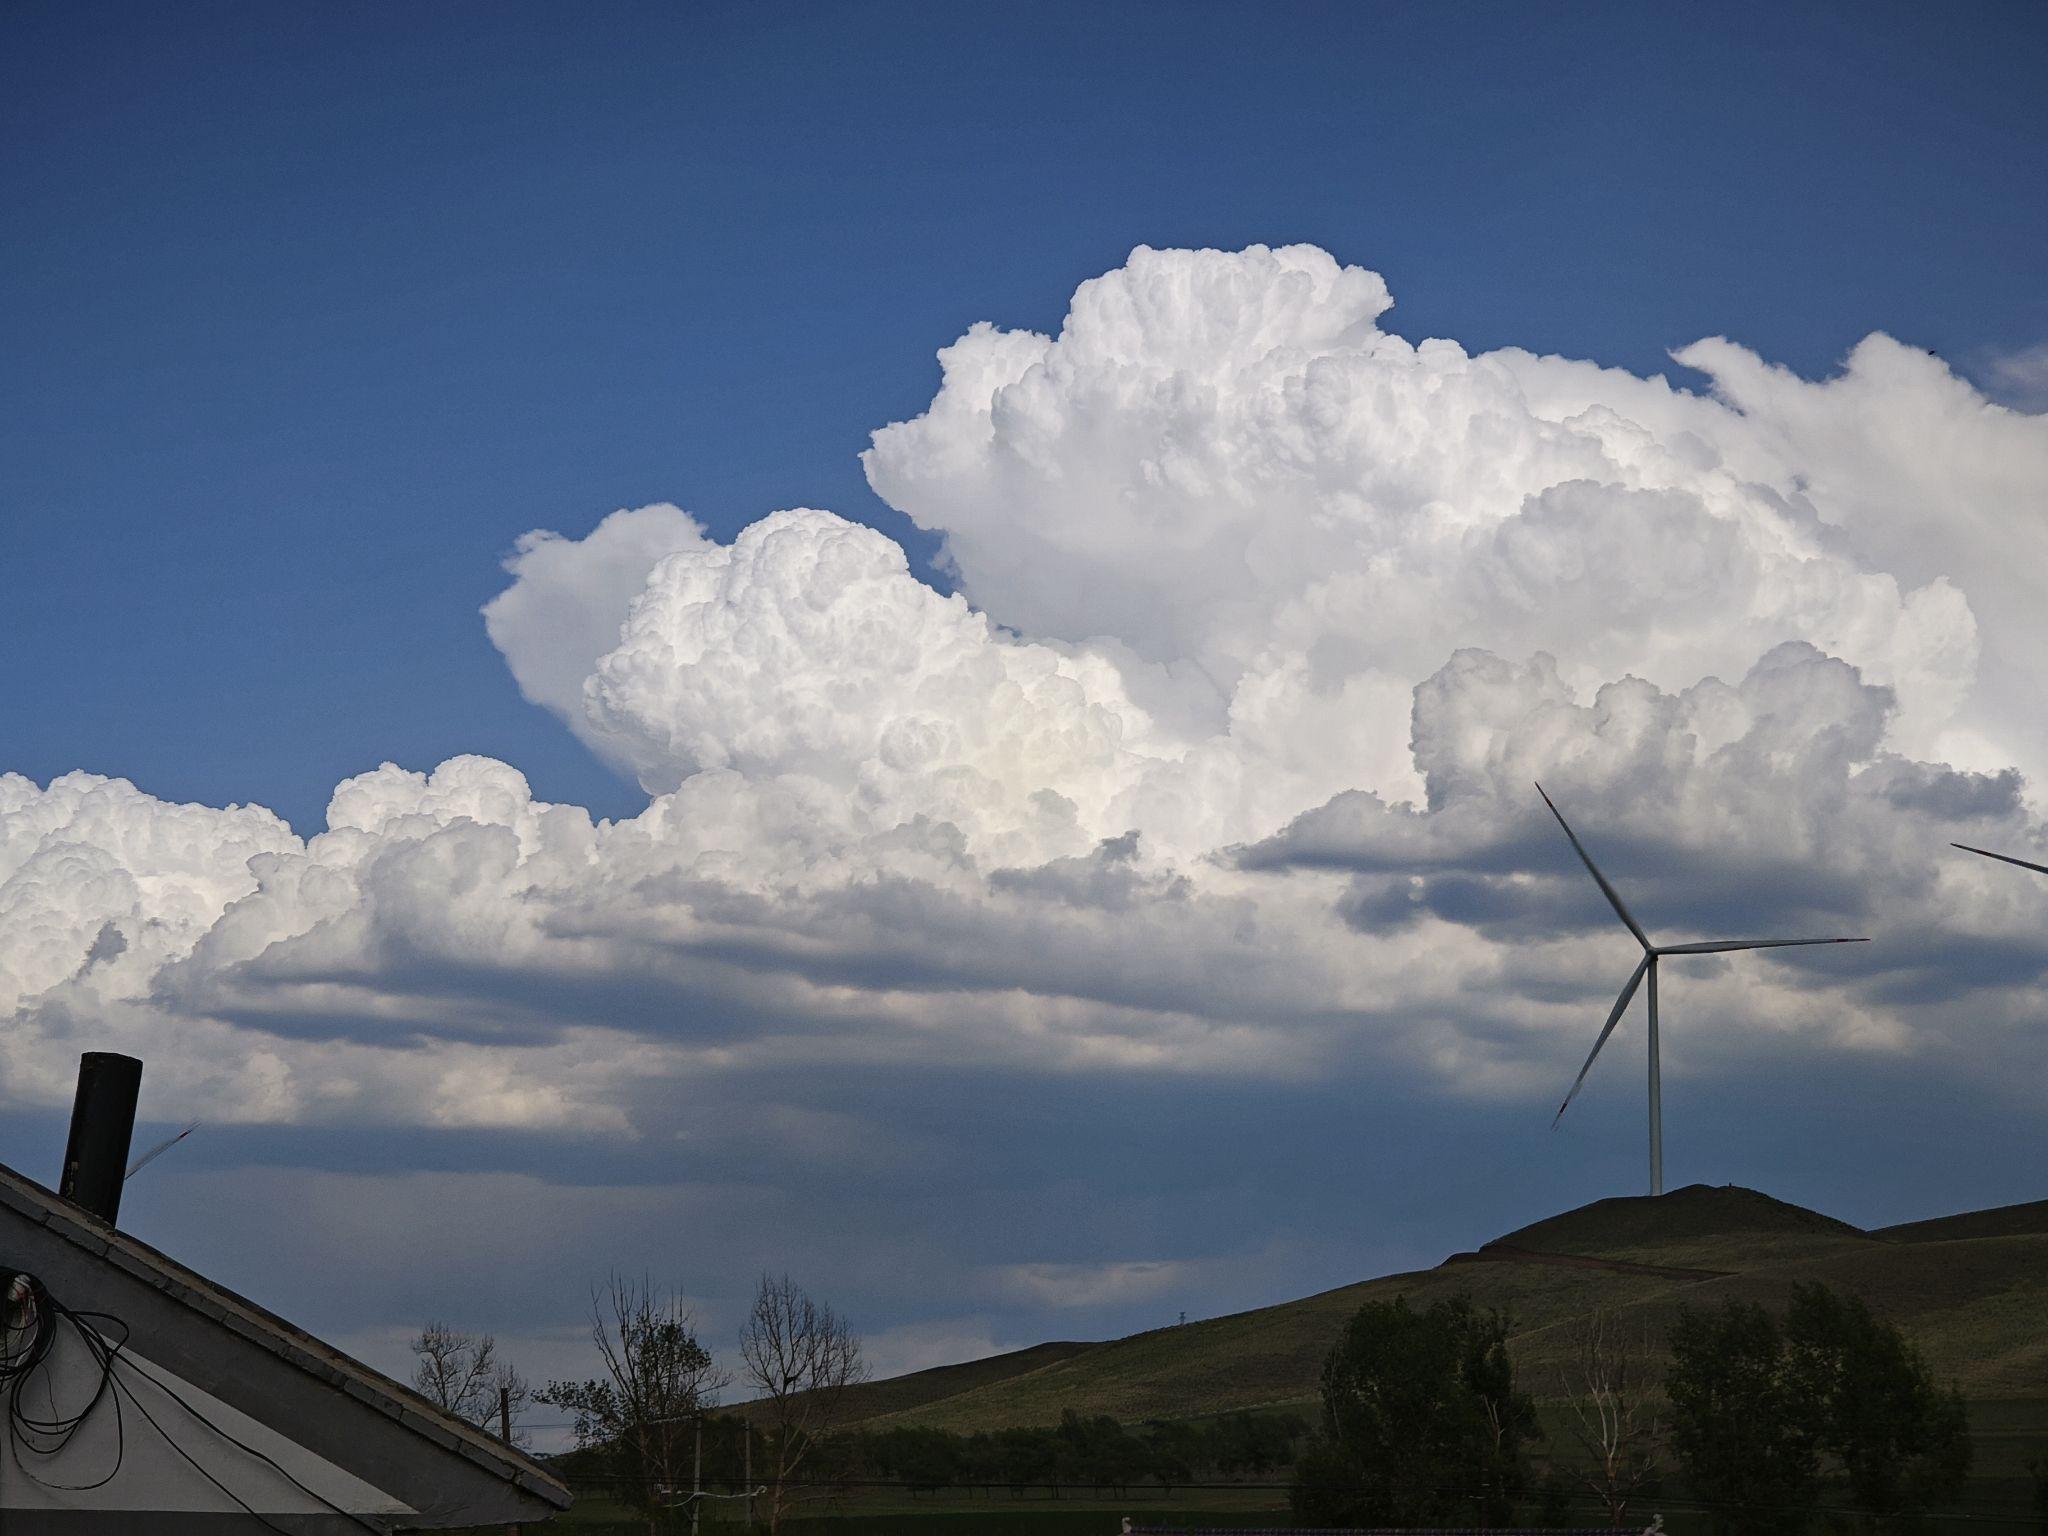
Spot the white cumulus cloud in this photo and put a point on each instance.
(1216, 765)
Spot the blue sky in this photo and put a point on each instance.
(308, 315)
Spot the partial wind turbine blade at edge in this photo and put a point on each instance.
(1621, 1003)
(1613, 896)
(2003, 858)
(1721, 946)
(157, 1151)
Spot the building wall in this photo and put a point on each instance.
(184, 1461)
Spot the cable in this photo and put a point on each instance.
(690, 1498)
(346, 1514)
(30, 1336)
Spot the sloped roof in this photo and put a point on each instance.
(446, 1469)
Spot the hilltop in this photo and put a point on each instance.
(1971, 1290)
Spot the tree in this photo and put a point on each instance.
(642, 1413)
(800, 1356)
(1612, 1397)
(462, 1374)
(1421, 1420)
(1902, 1442)
(1739, 1424)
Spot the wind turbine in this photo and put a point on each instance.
(157, 1151)
(1647, 968)
(2003, 858)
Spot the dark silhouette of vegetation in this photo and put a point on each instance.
(1421, 1421)
(1082, 1451)
(1903, 1443)
(1738, 1425)
(1611, 1389)
(1756, 1406)
(1553, 1502)
(639, 1419)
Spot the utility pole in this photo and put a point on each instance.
(505, 1433)
(747, 1429)
(697, 1477)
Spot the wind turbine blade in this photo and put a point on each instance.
(157, 1151)
(1613, 896)
(1621, 1003)
(2003, 858)
(1720, 946)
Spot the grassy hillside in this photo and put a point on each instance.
(2030, 1219)
(1699, 1226)
(1971, 1290)
(902, 1394)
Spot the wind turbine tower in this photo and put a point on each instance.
(1646, 970)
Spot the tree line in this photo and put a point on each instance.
(1081, 1451)
(1424, 1423)
(644, 1424)
(1422, 1419)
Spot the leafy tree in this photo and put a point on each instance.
(1252, 1443)
(923, 1460)
(1903, 1443)
(641, 1414)
(1740, 1424)
(1080, 1449)
(1421, 1420)
(1174, 1449)
(1099, 1450)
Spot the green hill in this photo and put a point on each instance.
(2026, 1220)
(895, 1395)
(1972, 1291)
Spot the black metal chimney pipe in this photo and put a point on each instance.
(102, 1124)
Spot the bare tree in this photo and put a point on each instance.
(1613, 1395)
(463, 1374)
(801, 1357)
(658, 1380)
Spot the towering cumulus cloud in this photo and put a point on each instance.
(1216, 760)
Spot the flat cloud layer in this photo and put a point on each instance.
(1216, 766)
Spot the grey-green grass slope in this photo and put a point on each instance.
(1972, 1292)
(2001, 1221)
(871, 1400)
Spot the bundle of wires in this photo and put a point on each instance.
(26, 1343)
(30, 1335)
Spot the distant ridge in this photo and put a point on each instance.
(1629, 1222)
(1971, 1290)
(1507, 1253)
(2000, 1221)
